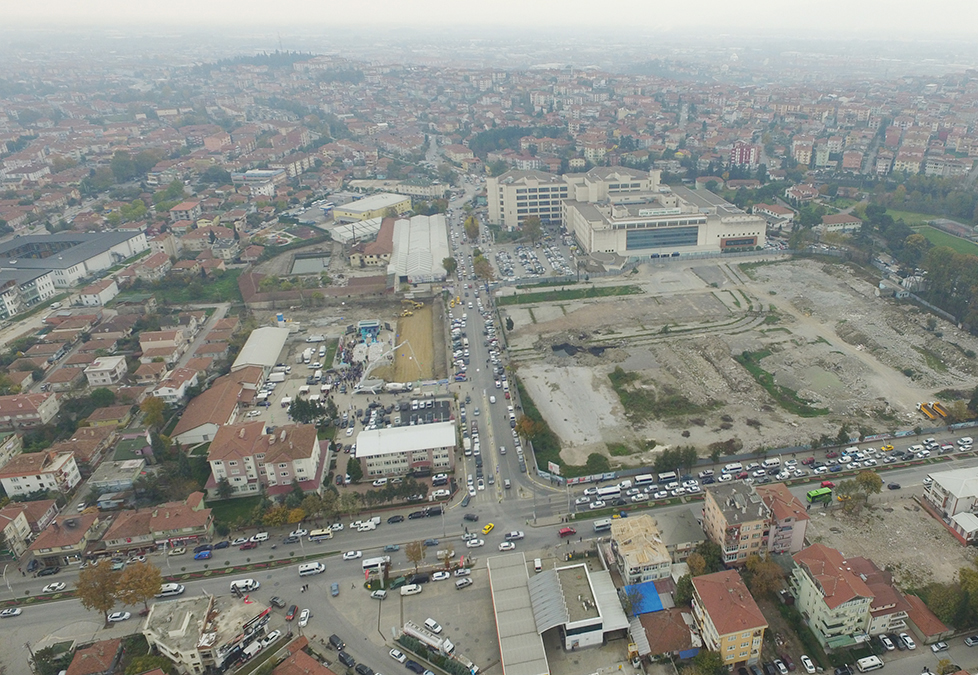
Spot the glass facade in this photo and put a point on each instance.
(665, 238)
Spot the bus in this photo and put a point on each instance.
(320, 535)
(610, 491)
(819, 495)
(644, 479)
(869, 663)
(376, 563)
(667, 477)
(602, 525)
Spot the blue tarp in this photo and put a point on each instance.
(648, 598)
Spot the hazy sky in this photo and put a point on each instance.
(873, 18)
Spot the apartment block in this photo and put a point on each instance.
(833, 599)
(728, 618)
(737, 519)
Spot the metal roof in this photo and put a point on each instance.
(262, 348)
(606, 595)
(547, 598)
(372, 442)
(520, 645)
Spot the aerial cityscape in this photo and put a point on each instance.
(646, 348)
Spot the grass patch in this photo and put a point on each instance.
(222, 289)
(642, 404)
(619, 450)
(772, 319)
(230, 511)
(786, 398)
(749, 268)
(568, 294)
(911, 218)
(331, 346)
(546, 445)
(200, 450)
(842, 202)
(940, 238)
(934, 361)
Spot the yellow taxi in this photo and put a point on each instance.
(488, 528)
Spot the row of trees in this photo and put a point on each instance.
(101, 588)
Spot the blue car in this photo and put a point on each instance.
(836, 468)
(203, 555)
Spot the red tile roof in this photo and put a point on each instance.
(730, 605)
(98, 658)
(833, 574)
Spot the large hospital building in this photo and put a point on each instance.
(624, 211)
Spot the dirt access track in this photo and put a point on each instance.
(833, 351)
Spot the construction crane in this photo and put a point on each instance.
(378, 362)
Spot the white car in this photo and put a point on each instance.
(725, 478)
(304, 618)
(463, 572)
(475, 543)
(11, 611)
(298, 533)
(352, 555)
(582, 500)
(660, 494)
(116, 617)
(336, 527)
(590, 492)
(640, 498)
(471, 490)
(907, 640)
(349, 431)
(397, 655)
(380, 482)
(807, 664)
(596, 505)
(440, 576)
(271, 637)
(55, 587)
(492, 399)
(507, 546)
(253, 413)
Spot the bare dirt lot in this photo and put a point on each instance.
(897, 535)
(832, 350)
(417, 361)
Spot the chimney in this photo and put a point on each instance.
(282, 435)
(241, 432)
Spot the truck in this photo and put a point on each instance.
(939, 409)
(467, 446)
(304, 390)
(924, 408)
(307, 355)
(281, 369)
(442, 644)
(286, 401)
(276, 377)
(397, 387)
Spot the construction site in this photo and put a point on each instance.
(769, 354)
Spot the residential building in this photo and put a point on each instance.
(99, 293)
(11, 445)
(154, 267)
(111, 416)
(106, 371)
(16, 530)
(789, 518)
(46, 471)
(833, 599)
(167, 525)
(745, 154)
(888, 609)
(116, 476)
(22, 289)
(639, 550)
(736, 519)
(217, 406)
(23, 411)
(173, 389)
(249, 457)
(158, 339)
(66, 539)
(775, 212)
(729, 620)
(375, 253)
(100, 658)
(375, 206)
(165, 243)
(397, 451)
(189, 210)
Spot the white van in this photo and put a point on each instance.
(736, 467)
(771, 462)
(625, 484)
(170, 590)
(537, 565)
(411, 589)
(366, 527)
(432, 625)
(308, 569)
(260, 537)
(245, 585)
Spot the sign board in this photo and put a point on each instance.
(553, 468)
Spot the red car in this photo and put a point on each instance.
(828, 484)
(293, 610)
(248, 545)
(742, 475)
(831, 455)
(808, 460)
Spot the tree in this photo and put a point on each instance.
(763, 577)
(96, 588)
(532, 228)
(224, 489)
(471, 227)
(509, 323)
(414, 552)
(139, 583)
(446, 558)
(354, 469)
(696, 564)
(450, 265)
(482, 268)
(712, 556)
(102, 397)
(870, 482)
(947, 601)
(684, 590)
(152, 409)
(708, 662)
(144, 664)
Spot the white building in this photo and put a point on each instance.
(99, 293)
(71, 256)
(516, 195)
(262, 349)
(375, 206)
(398, 451)
(639, 550)
(22, 289)
(953, 492)
(33, 471)
(106, 370)
(419, 247)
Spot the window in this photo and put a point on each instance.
(282, 465)
(232, 463)
(283, 473)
